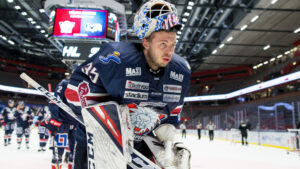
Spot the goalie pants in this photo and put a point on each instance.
(80, 157)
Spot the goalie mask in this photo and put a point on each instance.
(153, 16)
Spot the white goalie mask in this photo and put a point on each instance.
(153, 16)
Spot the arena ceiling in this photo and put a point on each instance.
(203, 41)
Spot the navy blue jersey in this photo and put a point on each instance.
(8, 114)
(119, 72)
(24, 117)
(56, 112)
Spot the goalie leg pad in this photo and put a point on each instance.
(107, 132)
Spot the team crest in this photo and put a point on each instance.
(114, 57)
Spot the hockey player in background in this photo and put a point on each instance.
(61, 124)
(43, 114)
(149, 77)
(24, 117)
(8, 121)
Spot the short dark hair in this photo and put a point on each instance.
(173, 29)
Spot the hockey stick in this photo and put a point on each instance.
(139, 161)
(50, 96)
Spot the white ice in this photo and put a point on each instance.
(205, 155)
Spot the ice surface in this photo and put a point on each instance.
(205, 155)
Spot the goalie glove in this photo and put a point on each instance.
(168, 153)
(144, 119)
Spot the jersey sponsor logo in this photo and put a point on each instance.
(176, 76)
(133, 71)
(154, 104)
(137, 85)
(171, 98)
(136, 95)
(172, 88)
(114, 57)
(83, 89)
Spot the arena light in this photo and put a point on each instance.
(179, 32)
(267, 47)
(229, 39)
(11, 42)
(33, 22)
(182, 26)
(259, 65)
(244, 27)
(254, 67)
(191, 3)
(3, 37)
(222, 45)
(128, 12)
(184, 19)
(279, 56)
(189, 7)
(30, 19)
(272, 60)
(24, 13)
(266, 62)
(43, 31)
(274, 1)
(17, 7)
(287, 52)
(254, 18)
(38, 26)
(264, 85)
(186, 14)
(215, 51)
(42, 10)
(297, 30)
(10, 1)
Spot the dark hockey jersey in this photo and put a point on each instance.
(119, 72)
(56, 112)
(8, 114)
(24, 117)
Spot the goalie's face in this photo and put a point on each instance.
(159, 48)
